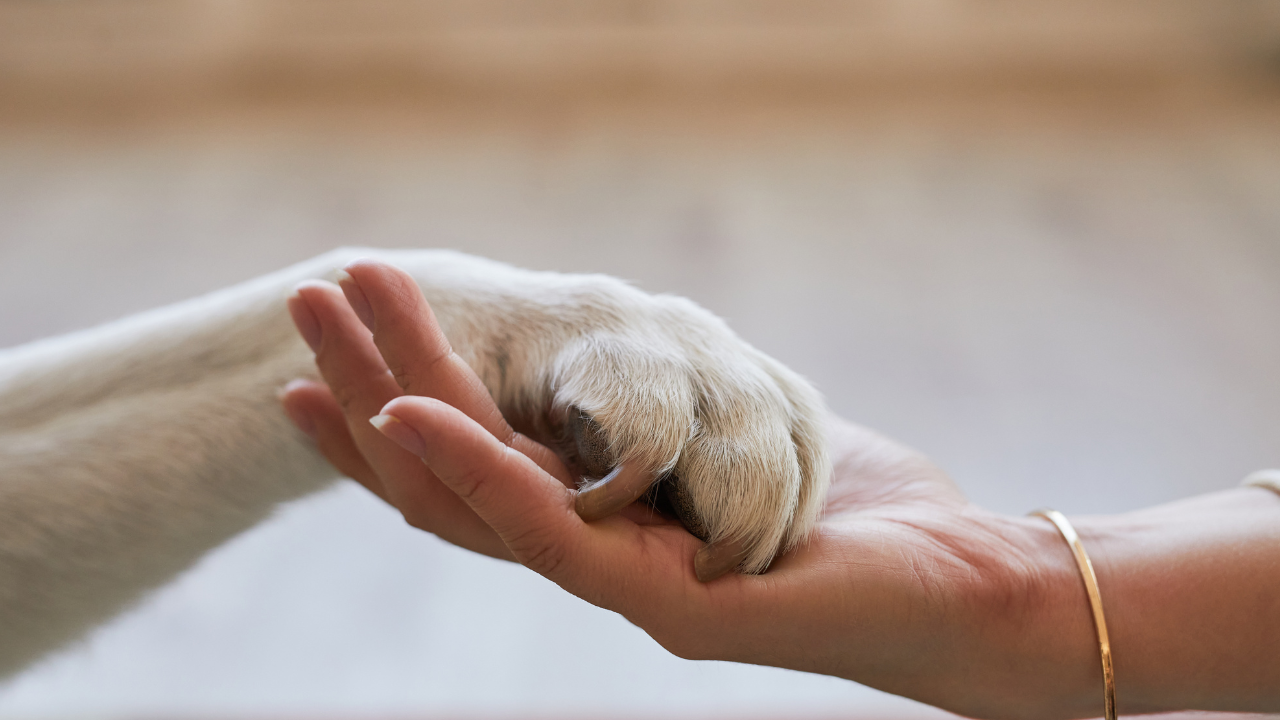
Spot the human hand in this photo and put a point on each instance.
(904, 586)
(608, 376)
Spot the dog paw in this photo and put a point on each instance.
(664, 401)
(641, 394)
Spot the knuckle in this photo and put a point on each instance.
(346, 397)
(470, 484)
(416, 373)
(537, 551)
(358, 389)
(403, 293)
(404, 378)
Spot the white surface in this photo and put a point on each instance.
(1058, 316)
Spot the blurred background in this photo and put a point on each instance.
(1040, 241)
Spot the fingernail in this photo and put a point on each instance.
(717, 558)
(305, 320)
(356, 298)
(292, 385)
(400, 433)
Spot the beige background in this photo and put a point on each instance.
(1040, 242)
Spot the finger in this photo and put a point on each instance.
(345, 354)
(311, 407)
(360, 383)
(641, 572)
(357, 378)
(530, 510)
(419, 357)
(412, 344)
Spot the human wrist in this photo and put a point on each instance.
(1027, 647)
(1050, 663)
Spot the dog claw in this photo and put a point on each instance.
(621, 487)
(717, 558)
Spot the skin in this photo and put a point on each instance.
(906, 586)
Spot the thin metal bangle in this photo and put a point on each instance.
(1095, 601)
(1269, 479)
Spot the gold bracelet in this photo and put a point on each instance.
(1269, 479)
(1095, 601)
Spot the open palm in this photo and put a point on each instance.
(905, 586)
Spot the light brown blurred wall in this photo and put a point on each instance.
(95, 55)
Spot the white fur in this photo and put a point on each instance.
(129, 450)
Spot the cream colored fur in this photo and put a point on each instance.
(129, 450)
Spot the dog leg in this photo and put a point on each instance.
(129, 450)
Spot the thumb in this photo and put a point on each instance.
(530, 510)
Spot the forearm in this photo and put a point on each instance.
(1192, 596)
(1191, 593)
